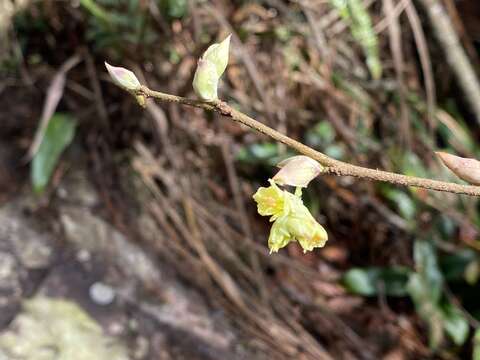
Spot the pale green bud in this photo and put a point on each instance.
(292, 219)
(218, 55)
(210, 68)
(205, 81)
(122, 77)
(297, 171)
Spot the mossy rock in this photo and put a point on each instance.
(57, 329)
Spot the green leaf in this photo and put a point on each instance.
(265, 153)
(322, 134)
(372, 281)
(175, 9)
(58, 135)
(97, 11)
(476, 345)
(427, 309)
(427, 267)
(425, 289)
(403, 202)
(354, 12)
(455, 324)
(455, 265)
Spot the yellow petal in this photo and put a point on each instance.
(270, 201)
(314, 236)
(303, 226)
(279, 235)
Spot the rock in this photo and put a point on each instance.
(10, 286)
(25, 248)
(88, 232)
(53, 329)
(31, 245)
(101, 293)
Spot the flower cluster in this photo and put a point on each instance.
(291, 219)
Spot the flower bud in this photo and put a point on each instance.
(218, 55)
(210, 68)
(205, 81)
(141, 100)
(465, 168)
(297, 171)
(122, 77)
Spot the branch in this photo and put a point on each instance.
(454, 53)
(332, 166)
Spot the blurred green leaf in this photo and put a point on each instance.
(372, 281)
(425, 289)
(455, 324)
(321, 134)
(403, 202)
(472, 272)
(97, 11)
(58, 135)
(445, 225)
(292, 56)
(336, 151)
(174, 9)
(256, 152)
(453, 266)
(355, 13)
(412, 165)
(476, 345)
(266, 153)
(426, 308)
(283, 33)
(427, 267)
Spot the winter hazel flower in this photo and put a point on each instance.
(292, 220)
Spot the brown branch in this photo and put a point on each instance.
(332, 166)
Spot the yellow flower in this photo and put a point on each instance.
(270, 201)
(292, 220)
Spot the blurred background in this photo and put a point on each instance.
(130, 233)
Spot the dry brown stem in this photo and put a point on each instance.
(332, 166)
(454, 53)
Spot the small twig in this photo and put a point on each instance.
(332, 166)
(395, 36)
(454, 53)
(247, 230)
(425, 62)
(54, 95)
